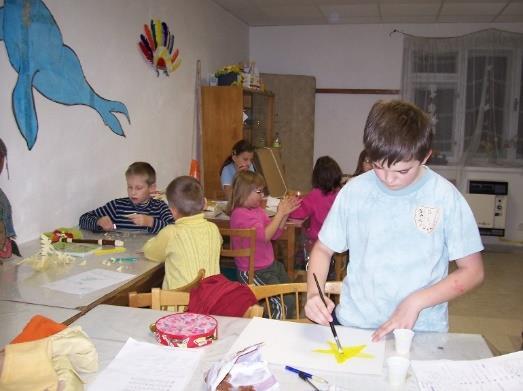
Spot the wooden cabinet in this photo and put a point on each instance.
(223, 125)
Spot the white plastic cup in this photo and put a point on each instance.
(403, 340)
(398, 367)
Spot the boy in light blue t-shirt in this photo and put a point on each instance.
(403, 223)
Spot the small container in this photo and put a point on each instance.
(227, 79)
(186, 330)
(403, 340)
(397, 367)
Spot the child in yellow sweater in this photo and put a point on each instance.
(191, 243)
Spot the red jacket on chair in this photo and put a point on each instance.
(216, 295)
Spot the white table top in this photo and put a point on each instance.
(110, 326)
(14, 316)
(23, 284)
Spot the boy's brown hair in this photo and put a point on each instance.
(243, 184)
(143, 169)
(186, 195)
(397, 131)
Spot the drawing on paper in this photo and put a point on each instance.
(311, 346)
(348, 352)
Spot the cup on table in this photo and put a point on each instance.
(403, 340)
(398, 367)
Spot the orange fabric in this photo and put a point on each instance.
(37, 328)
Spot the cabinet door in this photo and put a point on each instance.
(222, 126)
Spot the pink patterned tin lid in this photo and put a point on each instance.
(186, 330)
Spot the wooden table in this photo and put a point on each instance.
(20, 283)
(290, 233)
(110, 326)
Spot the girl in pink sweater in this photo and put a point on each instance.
(246, 212)
(326, 182)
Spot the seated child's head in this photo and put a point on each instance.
(397, 139)
(326, 174)
(247, 190)
(185, 196)
(141, 182)
(364, 164)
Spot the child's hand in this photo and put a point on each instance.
(141, 220)
(106, 223)
(403, 317)
(288, 204)
(316, 311)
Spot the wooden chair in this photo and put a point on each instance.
(297, 289)
(228, 252)
(176, 301)
(162, 299)
(144, 300)
(340, 265)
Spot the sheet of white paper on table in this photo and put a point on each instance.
(495, 373)
(88, 281)
(144, 366)
(291, 343)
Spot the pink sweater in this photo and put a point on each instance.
(315, 205)
(253, 218)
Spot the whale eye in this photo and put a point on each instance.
(157, 46)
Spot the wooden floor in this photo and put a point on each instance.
(495, 309)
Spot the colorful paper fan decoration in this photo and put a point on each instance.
(157, 46)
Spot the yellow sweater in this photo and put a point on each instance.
(190, 244)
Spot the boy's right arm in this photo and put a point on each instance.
(98, 220)
(154, 248)
(319, 263)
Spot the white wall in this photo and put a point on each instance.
(354, 56)
(77, 163)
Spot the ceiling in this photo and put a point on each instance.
(311, 12)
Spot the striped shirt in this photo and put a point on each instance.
(117, 210)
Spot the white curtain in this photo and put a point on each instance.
(471, 87)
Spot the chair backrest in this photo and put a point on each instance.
(297, 290)
(144, 300)
(229, 252)
(162, 299)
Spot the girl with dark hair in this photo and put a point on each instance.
(326, 182)
(240, 160)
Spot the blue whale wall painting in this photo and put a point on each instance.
(38, 54)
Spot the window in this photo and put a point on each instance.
(472, 88)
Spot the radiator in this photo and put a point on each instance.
(488, 201)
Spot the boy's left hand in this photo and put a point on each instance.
(141, 220)
(403, 317)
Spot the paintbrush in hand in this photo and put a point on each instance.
(334, 333)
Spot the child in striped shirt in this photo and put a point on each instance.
(139, 211)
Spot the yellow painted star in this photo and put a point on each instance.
(348, 352)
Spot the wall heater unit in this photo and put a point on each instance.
(488, 201)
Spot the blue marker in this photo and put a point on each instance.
(304, 375)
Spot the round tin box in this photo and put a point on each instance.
(186, 330)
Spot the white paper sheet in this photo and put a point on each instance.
(89, 281)
(143, 366)
(291, 343)
(496, 373)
